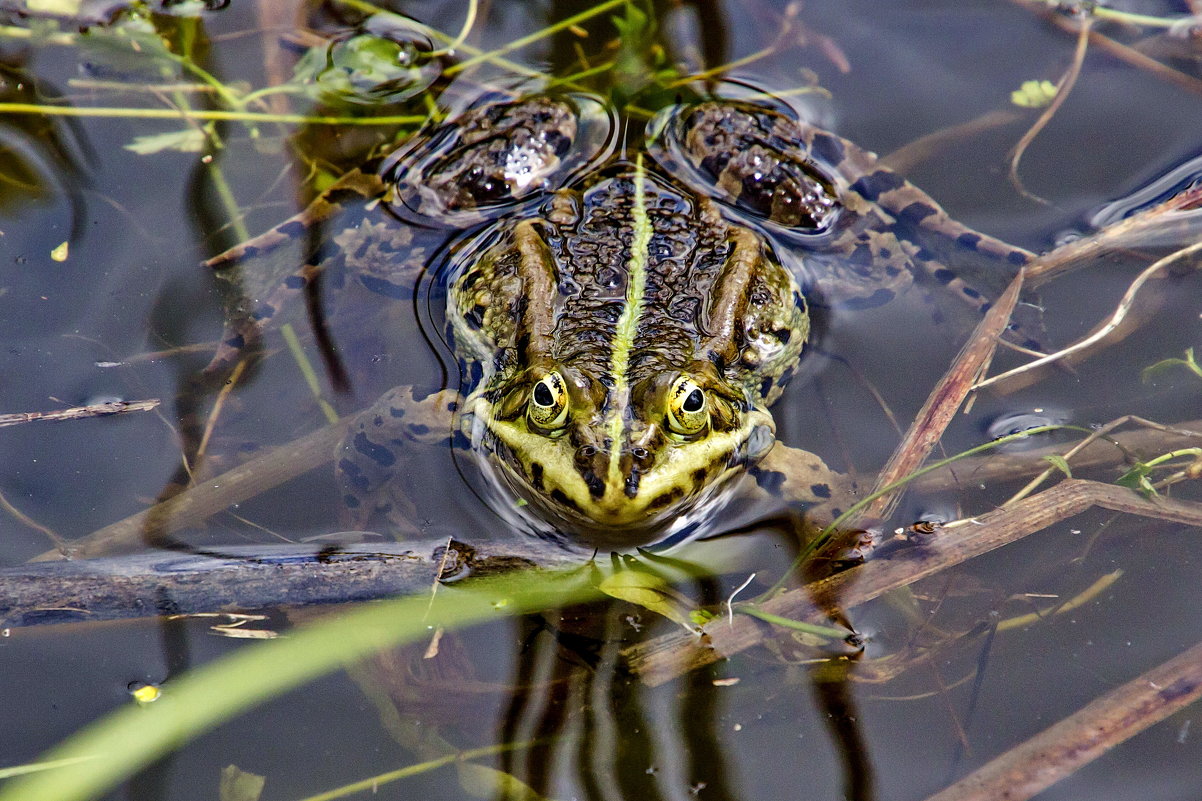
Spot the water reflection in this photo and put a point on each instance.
(577, 723)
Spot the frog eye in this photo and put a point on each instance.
(548, 407)
(688, 410)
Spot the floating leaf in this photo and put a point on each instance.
(61, 252)
(238, 785)
(1034, 94)
(190, 140)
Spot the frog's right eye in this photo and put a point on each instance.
(548, 405)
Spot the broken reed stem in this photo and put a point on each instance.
(1127, 232)
(1107, 721)
(1155, 438)
(79, 412)
(660, 660)
(941, 406)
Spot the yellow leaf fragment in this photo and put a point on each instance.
(60, 252)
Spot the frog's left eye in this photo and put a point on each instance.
(688, 409)
(548, 406)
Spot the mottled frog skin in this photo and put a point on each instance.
(626, 320)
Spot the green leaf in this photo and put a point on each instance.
(1034, 94)
(367, 69)
(238, 785)
(1189, 363)
(481, 781)
(1059, 462)
(1137, 479)
(189, 140)
(648, 591)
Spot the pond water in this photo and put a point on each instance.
(105, 218)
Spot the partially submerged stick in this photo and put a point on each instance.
(238, 578)
(1082, 737)
(662, 659)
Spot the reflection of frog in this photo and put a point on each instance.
(622, 337)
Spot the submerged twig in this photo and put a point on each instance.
(79, 412)
(197, 503)
(660, 660)
(1082, 737)
(1063, 87)
(1120, 313)
(910, 155)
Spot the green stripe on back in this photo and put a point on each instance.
(628, 323)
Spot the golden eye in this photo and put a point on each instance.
(688, 411)
(548, 407)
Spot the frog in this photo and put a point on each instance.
(625, 314)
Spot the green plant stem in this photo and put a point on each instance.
(1115, 15)
(825, 632)
(204, 114)
(306, 368)
(413, 770)
(550, 30)
(824, 536)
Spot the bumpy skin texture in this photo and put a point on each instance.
(621, 337)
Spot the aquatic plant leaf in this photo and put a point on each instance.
(481, 781)
(1189, 363)
(238, 785)
(648, 591)
(1137, 478)
(131, 51)
(367, 69)
(1034, 94)
(190, 140)
(1060, 463)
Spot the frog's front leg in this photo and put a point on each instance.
(381, 455)
(799, 478)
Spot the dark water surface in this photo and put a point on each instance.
(938, 692)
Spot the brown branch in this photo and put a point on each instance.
(658, 661)
(1082, 737)
(249, 577)
(79, 412)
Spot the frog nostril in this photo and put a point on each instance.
(642, 458)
